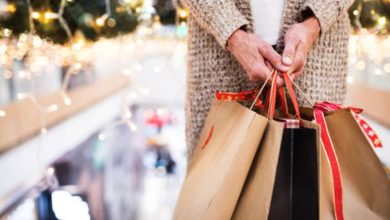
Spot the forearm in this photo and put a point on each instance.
(218, 17)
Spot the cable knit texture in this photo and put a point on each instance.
(212, 68)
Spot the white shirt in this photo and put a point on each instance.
(267, 16)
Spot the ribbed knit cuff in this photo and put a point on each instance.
(325, 11)
(225, 21)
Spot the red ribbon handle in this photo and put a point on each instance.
(290, 89)
(333, 162)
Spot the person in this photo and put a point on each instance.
(233, 44)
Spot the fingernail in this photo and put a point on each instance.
(287, 60)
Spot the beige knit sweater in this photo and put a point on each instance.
(212, 68)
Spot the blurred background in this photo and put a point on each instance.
(92, 104)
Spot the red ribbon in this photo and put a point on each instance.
(319, 109)
(239, 96)
(371, 135)
(333, 161)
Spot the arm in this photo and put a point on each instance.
(218, 17)
(319, 16)
(326, 11)
(222, 19)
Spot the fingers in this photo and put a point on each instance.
(272, 57)
(280, 81)
(258, 72)
(268, 64)
(296, 74)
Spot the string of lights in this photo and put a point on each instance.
(72, 55)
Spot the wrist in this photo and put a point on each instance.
(313, 25)
(235, 38)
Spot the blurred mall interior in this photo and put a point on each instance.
(92, 104)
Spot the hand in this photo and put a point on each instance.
(298, 40)
(253, 54)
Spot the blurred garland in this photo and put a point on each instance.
(93, 18)
(110, 18)
(373, 15)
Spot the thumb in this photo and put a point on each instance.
(289, 51)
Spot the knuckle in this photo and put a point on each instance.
(262, 47)
(301, 58)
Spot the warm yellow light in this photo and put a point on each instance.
(67, 101)
(372, 11)
(355, 12)
(101, 21)
(2, 113)
(360, 65)
(77, 66)
(111, 22)
(44, 16)
(382, 21)
(37, 42)
(183, 13)
(10, 8)
(6, 32)
(78, 44)
(52, 108)
(50, 15)
(36, 15)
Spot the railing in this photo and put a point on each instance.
(23, 119)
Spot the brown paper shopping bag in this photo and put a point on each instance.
(282, 183)
(220, 163)
(363, 189)
(255, 200)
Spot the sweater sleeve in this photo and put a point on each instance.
(218, 17)
(327, 11)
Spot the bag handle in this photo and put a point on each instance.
(283, 101)
(272, 96)
(273, 73)
(293, 96)
(290, 89)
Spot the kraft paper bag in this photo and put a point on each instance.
(365, 185)
(255, 199)
(220, 163)
(283, 180)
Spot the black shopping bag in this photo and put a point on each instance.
(295, 193)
